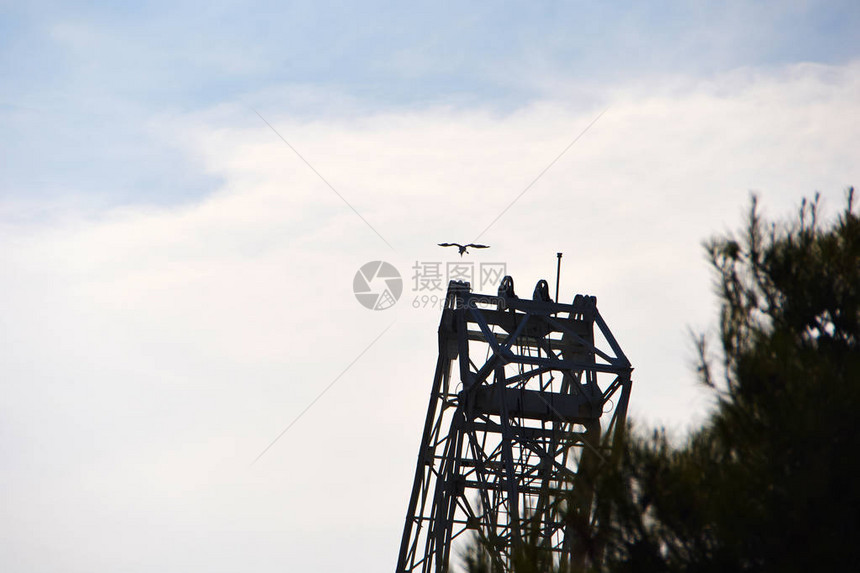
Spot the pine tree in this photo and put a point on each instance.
(771, 481)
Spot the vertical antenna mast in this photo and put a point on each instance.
(557, 276)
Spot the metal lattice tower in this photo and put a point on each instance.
(539, 390)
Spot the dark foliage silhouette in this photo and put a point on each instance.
(770, 481)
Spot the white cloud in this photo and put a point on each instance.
(153, 352)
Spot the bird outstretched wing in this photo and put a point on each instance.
(478, 246)
(450, 245)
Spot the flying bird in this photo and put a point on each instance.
(464, 248)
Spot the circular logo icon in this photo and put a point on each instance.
(377, 285)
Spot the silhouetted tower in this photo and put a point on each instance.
(528, 398)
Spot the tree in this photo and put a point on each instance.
(770, 481)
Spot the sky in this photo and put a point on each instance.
(186, 195)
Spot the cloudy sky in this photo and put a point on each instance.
(177, 279)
